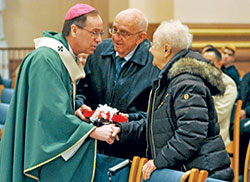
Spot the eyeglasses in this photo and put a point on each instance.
(94, 33)
(122, 33)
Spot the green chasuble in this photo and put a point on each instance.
(41, 125)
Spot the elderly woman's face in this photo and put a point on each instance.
(158, 52)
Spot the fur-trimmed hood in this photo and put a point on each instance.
(196, 65)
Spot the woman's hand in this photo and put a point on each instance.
(147, 169)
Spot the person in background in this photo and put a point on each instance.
(228, 58)
(43, 140)
(223, 103)
(182, 128)
(245, 118)
(206, 47)
(245, 96)
(83, 58)
(120, 74)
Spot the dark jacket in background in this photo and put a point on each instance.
(233, 73)
(182, 128)
(244, 123)
(245, 93)
(129, 95)
(1, 80)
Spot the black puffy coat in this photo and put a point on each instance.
(129, 95)
(182, 128)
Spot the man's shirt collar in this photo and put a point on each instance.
(72, 53)
(128, 56)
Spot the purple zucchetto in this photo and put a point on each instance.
(78, 10)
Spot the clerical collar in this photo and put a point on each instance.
(128, 56)
(72, 53)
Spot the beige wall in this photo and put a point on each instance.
(155, 10)
(212, 11)
(24, 20)
(115, 6)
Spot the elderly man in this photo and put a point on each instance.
(120, 74)
(182, 128)
(42, 133)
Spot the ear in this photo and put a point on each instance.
(141, 37)
(167, 48)
(73, 30)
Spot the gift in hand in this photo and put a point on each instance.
(104, 115)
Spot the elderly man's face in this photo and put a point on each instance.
(125, 35)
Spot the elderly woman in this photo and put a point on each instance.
(182, 130)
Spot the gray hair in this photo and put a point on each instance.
(174, 33)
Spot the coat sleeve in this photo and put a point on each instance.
(190, 116)
(134, 131)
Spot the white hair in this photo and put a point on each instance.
(174, 33)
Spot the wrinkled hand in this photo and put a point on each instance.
(79, 112)
(104, 133)
(115, 132)
(147, 169)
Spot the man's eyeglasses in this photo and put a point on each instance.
(122, 33)
(94, 33)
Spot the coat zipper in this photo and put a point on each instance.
(162, 101)
(152, 116)
(147, 122)
(113, 87)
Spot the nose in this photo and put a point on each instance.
(98, 38)
(117, 36)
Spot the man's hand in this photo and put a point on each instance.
(104, 133)
(79, 112)
(147, 169)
